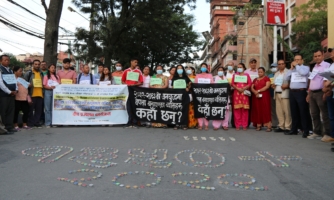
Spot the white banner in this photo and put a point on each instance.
(89, 105)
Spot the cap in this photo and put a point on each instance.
(273, 65)
(330, 50)
(252, 60)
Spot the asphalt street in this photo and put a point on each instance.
(23, 177)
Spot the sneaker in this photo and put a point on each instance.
(17, 128)
(38, 126)
(134, 126)
(314, 136)
(327, 138)
(127, 126)
(26, 128)
(47, 126)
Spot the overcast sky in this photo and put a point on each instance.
(20, 43)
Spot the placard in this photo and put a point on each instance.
(9, 78)
(240, 79)
(155, 81)
(66, 81)
(37, 83)
(105, 83)
(297, 78)
(23, 82)
(117, 80)
(179, 84)
(132, 76)
(204, 80)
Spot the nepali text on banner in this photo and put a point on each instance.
(89, 105)
(167, 106)
(210, 100)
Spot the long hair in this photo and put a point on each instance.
(184, 75)
(103, 75)
(49, 73)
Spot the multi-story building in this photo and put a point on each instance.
(221, 24)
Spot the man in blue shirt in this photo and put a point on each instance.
(297, 77)
(86, 78)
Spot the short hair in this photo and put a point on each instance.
(118, 63)
(155, 69)
(206, 65)
(132, 59)
(16, 68)
(100, 64)
(43, 61)
(317, 50)
(221, 67)
(4, 55)
(299, 55)
(280, 60)
(67, 60)
(36, 61)
(264, 70)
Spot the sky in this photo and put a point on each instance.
(17, 42)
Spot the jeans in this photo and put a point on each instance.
(35, 111)
(132, 117)
(330, 106)
(48, 94)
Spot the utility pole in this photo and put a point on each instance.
(275, 45)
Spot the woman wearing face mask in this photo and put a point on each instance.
(261, 109)
(229, 73)
(50, 81)
(164, 84)
(22, 99)
(241, 82)
(203, 78)
(192, 121)
(117, 75)
(172, 72)
(220, 78)
(181, 75)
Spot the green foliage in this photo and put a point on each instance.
(286, 47)
(14, 61)
(312, 26)
(308, 50)
(152, 31)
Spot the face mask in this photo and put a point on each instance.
(274, 69)
(189, 71)
(118, 68)
(159, 71)
(220, 73)
(240, 70)
(203, 69)
(180, 71)
(230, 68)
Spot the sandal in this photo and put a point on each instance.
(245, 129)
(176, 127)
(215, 129)
(206, 128)
(225, 128)
(185, 128)
(237, 129)
(258, 128)
(269, 129)
(199, 128)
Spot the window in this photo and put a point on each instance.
(253, 40)
(216, 8)
(287, 15)
(226, 8)
(241, 23)
(235, 56)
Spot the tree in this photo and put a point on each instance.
(13, 60)
(53, 14)
(153, 31)
(311, 29)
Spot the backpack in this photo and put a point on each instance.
(91, 78)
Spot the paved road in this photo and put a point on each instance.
(23, 177)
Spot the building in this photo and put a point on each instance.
(286, 31)
(330, 14)
(221, 24)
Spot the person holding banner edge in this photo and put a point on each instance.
(132, 77)
(241, 82)
(203, 78)
(181, 81)
(220, 78)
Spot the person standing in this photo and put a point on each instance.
(329, 94)
(229, 75)
(315, 98)
(172, 73)
(50, 81)
(220, 78)
(203, 78)
(252, 70)
(241, 82)
(192, 121)
(261, 113)
(86, 78)
(22, 99)
(117, 75)
(281, 97)
(182, 78)
(97, 76)
(67, 76)
(132, 77)
(297, 77)
(230, 71)
(146, 77)
(8, 90)
(44, 71)
(274, 120)
(35, 78)
(106, 76)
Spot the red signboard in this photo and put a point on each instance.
(275, 12)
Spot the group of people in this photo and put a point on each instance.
(291, 100)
